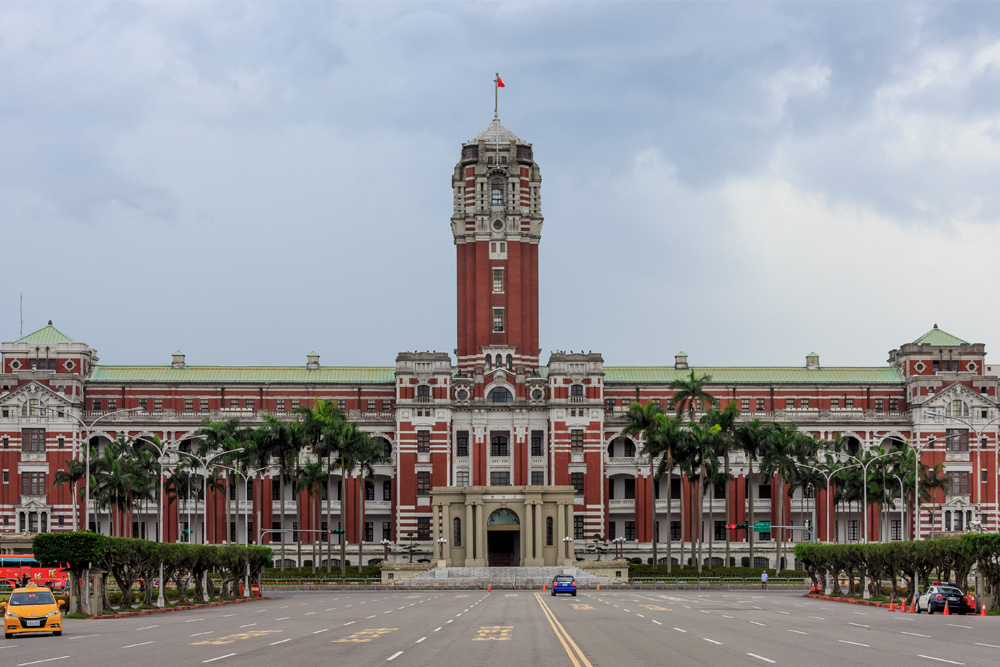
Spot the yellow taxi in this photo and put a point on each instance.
(31, 609)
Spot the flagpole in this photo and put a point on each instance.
(496, 96)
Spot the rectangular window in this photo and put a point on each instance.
(805, 403)
(371, 405)
(423, 442)
(386, 405)
(629, 530)
(745, 404)
(957, 440)
(576, 479)
(720, 490)
(894, 404)
(958, 482)
(852, 530)
(423, 483)
(985, 476)
(295, 531)
(498, 446)
(61, 441)
(386, 530)
(720, 531)
(630, 488)
(462, 443)
(498, 320)
(500, 478)
(789, 403)
(387, 489)
(369, 491)
(249, 403)
(6, 477)
(609, 404)
(879, 404)
(675, 531)
(497, 281)
(112, 404)
(188, 404)
(895, 529)
(549, 532)
(423, 528)
(462, 478)
(849, 403)
(33, 484)
(142, 404)
(33, 440)
(234, 404)
(576, 442)
(157, 405)
(760, 405)
(279, 405)
(275, 490)
(232, 532)
(536, 443)
(295, 404)
(538, 478)
(834, 403)
(275, 537)
(764, 491)
(97, 404)
(6, 442)
(369, 531)
(578, 527)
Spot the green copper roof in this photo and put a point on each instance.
(939, 338)
(738, 375)
(251, 374)
(47, 335)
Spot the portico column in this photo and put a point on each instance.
(435, 528)
(539, 544)
(527, 534)
(446, 530)
(569, 524)
(560, 531)
(480, 535)
(469, 537)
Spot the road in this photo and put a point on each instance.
(456, 628)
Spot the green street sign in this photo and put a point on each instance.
(762, 526)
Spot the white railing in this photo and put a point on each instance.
(289, 506)
(622, 504)
(328, 505)
(378, 505)
(622, 460)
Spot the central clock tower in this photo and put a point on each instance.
(497, 224)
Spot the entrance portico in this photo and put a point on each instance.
(503, 526)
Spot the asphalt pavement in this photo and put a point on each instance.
(456, 628)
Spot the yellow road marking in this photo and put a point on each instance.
(413, 597)
(653, 607)
(231, 638)
(365, 636)
(581, 606)
(493, 633)
(511, 595)
(461, 596)
(576, 656)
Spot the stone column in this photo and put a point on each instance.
(481, 559)
(560, 532)
(527, 535)
(446, 531)
(569, 532)
(468, 536)
(539, 535)
(435, 531)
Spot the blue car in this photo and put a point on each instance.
(564, 583)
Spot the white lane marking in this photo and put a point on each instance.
(657, 622)
(148, 627)
(309, 613)
(350, 622)
(280, 642)
(844, 641)
(194, 620)
(915, 634)
(228, 655)
(724, 616)
(701, 610)
(248, 625)
(819, 618)
(372, 616)
(760, 657)
(955, 625)
(332, 609)
(679, 630)
(286, 607)
(81, 637)
(261, 610)
(450, 620)
(861, 613)
(227, 615)
(640, 616)
(387, 612)
(62, 657)
(760, 624)
(989, 645)
(799, 632)
(754, 607)
(199, 634)
(134, 645)
(785, 613)
(283, 618)
(931, 657)
(394, 656)
(420, 640)
(860, 625)
(437, 629)
(712, 641)
(319, 632)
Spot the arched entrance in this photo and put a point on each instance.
(503, 538)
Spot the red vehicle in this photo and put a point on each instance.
(15, 567)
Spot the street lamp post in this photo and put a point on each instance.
(566, 541)
(864, 472)
(619, 543)
(441, 543)
(385, 550)
(246, 532)
(827, 476)
(902, 507)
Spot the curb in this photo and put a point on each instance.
(147, 612)
(830, 598)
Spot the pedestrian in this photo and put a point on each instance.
(763, 580)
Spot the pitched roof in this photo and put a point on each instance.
(497, 133)
(759, 375)
(249, 374)
(937, 337)
(47, 335)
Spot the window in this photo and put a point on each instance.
(849, 403)
(341, 404)
(423, 393)
(852, 530)
(456, 532)
(275, 490)
(630, 530)
(234, 404)
(789, 403)
(423, 442)
(61, 442)
(369, 491)
(499, 395)
(764, 491)
(894, 404)
(500, 478)
(387, 489)
(538, 478)
(984, 476)
(957, 409)
(249, 404)
(423, 528)
(371, 405)
(279, 405)
(536, 443)
(33, 440)
(386, 530)
(498, 281)
(295, 404)
(630, 488)
(6, 477)
(549, 531)
(142, 403)
(895, 529)
(834, 403)
(462, 478)
(97, 404)
(112, 404)
(462, 443)
(576, 393)
(720, 490)
(675, 531)
(386, 405)
(958, 482)
(720, 531)
(578, 527)
(276, 537)
(498, 320)
(158, 405)
(576, 479)
(498, 446)
(805, 403)
(424, 483)
(576, 442)
(496, 192)
(188, 404)
(6, 442)
(760, 405)
(957, 440)
(745, 404)
(879, 404)
(33, 484)
(369, 531)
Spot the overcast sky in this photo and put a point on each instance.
(745, 182)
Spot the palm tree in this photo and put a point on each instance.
(726, 420)
(322, 426)
(311, 479)
(219, 436)
(72, 474)
(702, 445)
(284, 442)
(778, 460)
(660, 445)
(750, 437)
(691, 393)
(641, 421)
(368, 453)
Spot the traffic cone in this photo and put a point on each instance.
(983, 613)
(543, 588)
(598, 587)
(892, 605)
(946, 612)
(489, 587)
(902, 606)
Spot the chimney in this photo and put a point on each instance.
(812, 361)
(681, 361)
(177, 360)
(312, 361)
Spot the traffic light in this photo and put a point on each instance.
(736, 526)
(335, 531)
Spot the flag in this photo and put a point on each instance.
(500, 82)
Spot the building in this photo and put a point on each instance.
(496, 458)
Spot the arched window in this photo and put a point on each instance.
(510, 362)
(489, 362)
(33, 408)
(629, 448)
(423, 393)
(498, 446)
(576, 393)
(958, 409)
(499, 395)
(499, 361)
(387, 448)
(549, 535)
(456, 538)
(496, 192)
